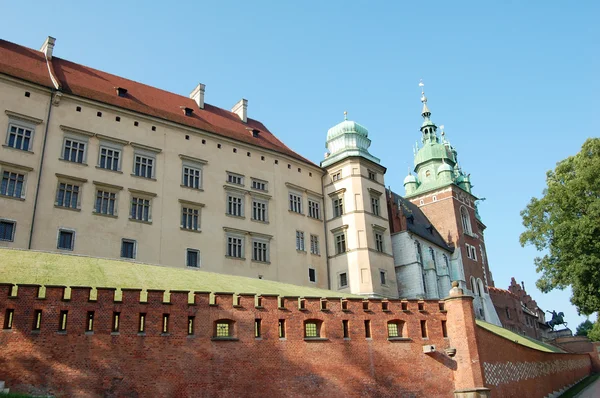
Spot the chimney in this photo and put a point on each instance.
(198, 95)
(48, 47)
(241, 108)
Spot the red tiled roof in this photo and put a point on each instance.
(30, 65)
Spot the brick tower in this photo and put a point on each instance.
(443, 192)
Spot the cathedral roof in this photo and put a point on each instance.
(76, 79)
(420, 224)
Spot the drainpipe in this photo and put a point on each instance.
(326, 235)
(40, 169)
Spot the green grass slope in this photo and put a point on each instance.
(31, 267)
(517, 338)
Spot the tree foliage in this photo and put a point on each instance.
(584, 327)
(594, 333)
(565, 224)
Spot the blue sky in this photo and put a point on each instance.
(515, 83)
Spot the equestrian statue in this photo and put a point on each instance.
(557, 319)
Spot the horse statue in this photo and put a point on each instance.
(557, 319)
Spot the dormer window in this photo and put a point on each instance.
(255, 133)
(187, 111)
(121, 92)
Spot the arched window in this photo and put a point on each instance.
(224, 328)
(473, 286)
(395, 329)
(466, 221)
(480, 287)
(418, 250)
(432, 254)
(427, 173)
(313, 329)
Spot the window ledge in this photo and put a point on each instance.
(234, 216)
(259, 221)
(35, 331)
(115, 333)
(141, 334)
(89, 333)
(224, 339)
(111, 170)
(261, 262)
(140, 221)
(295, 212)
(69, 161)
(316, 219)
(144, 178)
(17, 149)
(310, 339)
(105, 215)
(190, 230)
(195, 189)
(66, 208)
(399, 339)
(236, 258)
(12, 197)
(316, 254)
(301, 251)
(62, 333)
(165, 334)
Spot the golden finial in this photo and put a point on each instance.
(345, 115)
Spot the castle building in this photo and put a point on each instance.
(98, 165)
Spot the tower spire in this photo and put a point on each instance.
(425, 112)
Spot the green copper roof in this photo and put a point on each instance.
(347, 126)
(347, 139)
(434, 150)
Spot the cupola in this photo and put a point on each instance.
(346, 139)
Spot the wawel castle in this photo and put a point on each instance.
(97, 165)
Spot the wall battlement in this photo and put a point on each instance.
(417, 320)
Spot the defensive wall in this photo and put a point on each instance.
(59, 341)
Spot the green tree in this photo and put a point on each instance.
(565, 224)
(584, 327)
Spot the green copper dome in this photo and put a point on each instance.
(433, 150)
(347, 126)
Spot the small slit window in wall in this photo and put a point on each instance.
(37, 320)
(89, 324)
(8, 318)
(367, 329)
(424, 329)
(62, 321)
(372, 175)
(345, 329)
(142, 323)
(165, 323)
(190, 330)
(257, 330)
(116, 322)
(281, 327)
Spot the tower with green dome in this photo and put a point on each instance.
(359, 245)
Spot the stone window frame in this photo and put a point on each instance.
(68, 230)
(258, 181)
(314, 273)
(14, 229)
(21, 121)
(104, 187)
(262, 200)
(316, 206)
(78, 136)
(111, 144)
(193, 206)
(16, 169)
(465, 221)
(134, 193)
(134, 251)
(300, 241)
(144, 151)
(315, 245)
(198, 258)
(264, 241)
(340, 279)
(295, 202)
(233, 176)
(69, 180)
(235, 235)
(195, 164)
(383, 279)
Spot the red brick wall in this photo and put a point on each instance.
(513, 370)
(503, 300)
(82, 364)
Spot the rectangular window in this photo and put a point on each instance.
(300, 240)
(375, 205)
(343, 279)
(295, 203)
(19, 137)
(424, 329)
(165, 323)
(65, 239)
(372, 175)
(367, 329)
(312, 275)
(62, 321)
(128, 248)
(109, 159)
(340, 243)
(192, 258)
(336, 176)
(235, 205)
(257, 331)
(222, 329)
(142, 323)
(338, 207)
(393, 330)
(382, 277)
(345, 329)
(190, 218)
(281, 327)
(260, 251)
(89, 324)
(7, 230)
(473, 253)
(140, 209)
(12, 184)
(259, 185)
(314, 244)
(314, 209)
(192, 177)
(8, 318)
(311, 329)
(259, 210)
(37, 320)
(191, 320)
(233, 178)
(143, 166)
(116, 322)
(379, 241)
(105, 202)
(67, 195)
(74, 150)
(235, 247)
